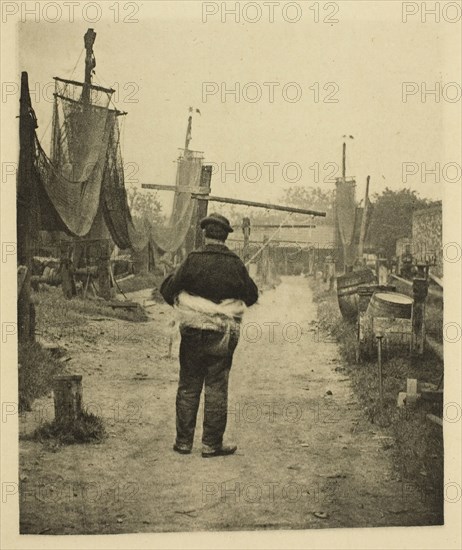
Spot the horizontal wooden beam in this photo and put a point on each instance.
(283, 226)
(436, 292)
(92, 86)
(176, 188)
(258, 205)
(116, 111)
(404, 281)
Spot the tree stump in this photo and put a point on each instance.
(67, 392)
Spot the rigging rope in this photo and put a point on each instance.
(273, 235)
(75, 66)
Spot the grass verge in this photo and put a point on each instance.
(417, 443)
(58, 318)
(89, 428)
(37, 367)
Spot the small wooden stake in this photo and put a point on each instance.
(379, 364)
(67, 392)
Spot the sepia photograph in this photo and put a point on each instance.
(231, 273)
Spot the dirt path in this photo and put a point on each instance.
(306, 457)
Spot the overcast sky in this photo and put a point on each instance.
(164, 60)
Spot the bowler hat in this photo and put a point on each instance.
(218, 219)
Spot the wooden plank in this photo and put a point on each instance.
(126, 304)
(388, 325)
(433, 292)
(268, 206)
(436, 279)
(405, 281)
(435, 419)
(125, 278)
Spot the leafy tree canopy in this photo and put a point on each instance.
(392, 218)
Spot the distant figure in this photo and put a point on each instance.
(210, 292)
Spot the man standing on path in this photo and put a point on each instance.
(210, 292)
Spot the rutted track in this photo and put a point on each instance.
(306, 456)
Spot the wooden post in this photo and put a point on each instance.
(26, 206)
(67, 391)
(265, 260)
(362, 233)
(330, 271)
(246, 231)
(104, 271)
(202, 206)
(420, 291)
(67, 272)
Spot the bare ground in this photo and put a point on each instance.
(307, 458)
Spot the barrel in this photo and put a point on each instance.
(391, 305)
(347, 287)
(365, 293)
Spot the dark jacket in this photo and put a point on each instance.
(215, 273)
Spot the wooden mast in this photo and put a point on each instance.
(362, 233)
(195, 238)
(104, 269)
(90, 64)
(188, 134)
(25, 205)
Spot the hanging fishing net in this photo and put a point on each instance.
(182, 219)
(82, 182)
(346, 210)
(72, 176)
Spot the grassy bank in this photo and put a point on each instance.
(58, 318)
(417, 444)
(60, 321)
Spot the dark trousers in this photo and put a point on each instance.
(203, 359)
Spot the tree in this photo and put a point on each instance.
(311, 198)
(392, 218)
(145, 206)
